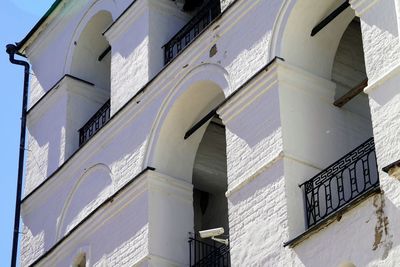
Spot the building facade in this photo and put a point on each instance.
(150, 120)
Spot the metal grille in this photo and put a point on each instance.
(191, 30)
(206, 253)
(344, 181)
(95, 123)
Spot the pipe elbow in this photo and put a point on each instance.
(11, 49)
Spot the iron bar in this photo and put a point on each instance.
(95, 123)
(340, 102)
(329, 18)
(200, 123)
(204, 253)
(104, 54)
(343, 182)
(191, 30)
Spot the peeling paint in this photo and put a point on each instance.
(382, 237)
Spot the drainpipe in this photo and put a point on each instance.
(12, 50)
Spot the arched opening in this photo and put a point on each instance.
(199, 160)
(174, 155)
(210, 180)
(91, 60)
(326, 115)
(314, 54)
(89, 103)
(210, 204)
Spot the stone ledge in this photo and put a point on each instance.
(391, 167)
(331, 218)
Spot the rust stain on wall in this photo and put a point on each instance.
(381, 237)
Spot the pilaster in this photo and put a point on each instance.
(380, 28)
(137, 38)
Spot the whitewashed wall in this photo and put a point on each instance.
(269, 126)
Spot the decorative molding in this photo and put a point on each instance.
(280, 73)
(71, 195)
(375, 84)
(246, 97)
(68, 84)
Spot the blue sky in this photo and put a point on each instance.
(17, 17)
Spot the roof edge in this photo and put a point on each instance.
(31, 33)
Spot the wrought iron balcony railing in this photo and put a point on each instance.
(203, 254)
(345, 181)
(191, 30)
(95, 123)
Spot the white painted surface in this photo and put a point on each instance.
(281, 128)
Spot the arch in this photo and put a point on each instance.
(90, 11)
(292, 38)
(92, 187)
(317, 131)
(88, 47)
(199, 91)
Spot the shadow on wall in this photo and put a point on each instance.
(247, 56)
(257, 219)
(262, 117)
(47, 146)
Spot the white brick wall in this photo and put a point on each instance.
(271, 126)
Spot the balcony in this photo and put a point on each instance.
(347, 180)
(95, 123)
(191, 30)
(205, 253)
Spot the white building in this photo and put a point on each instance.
(150, 119)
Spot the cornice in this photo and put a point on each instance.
(40, 25)
(258, 86)
(279, 72)
(127, 18)
(374, 85)
(67, 84)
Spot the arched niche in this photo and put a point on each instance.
(89, 61)
(316, 132)
(90, 190)
(199, 92)
(201, 158)
(294, 42)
